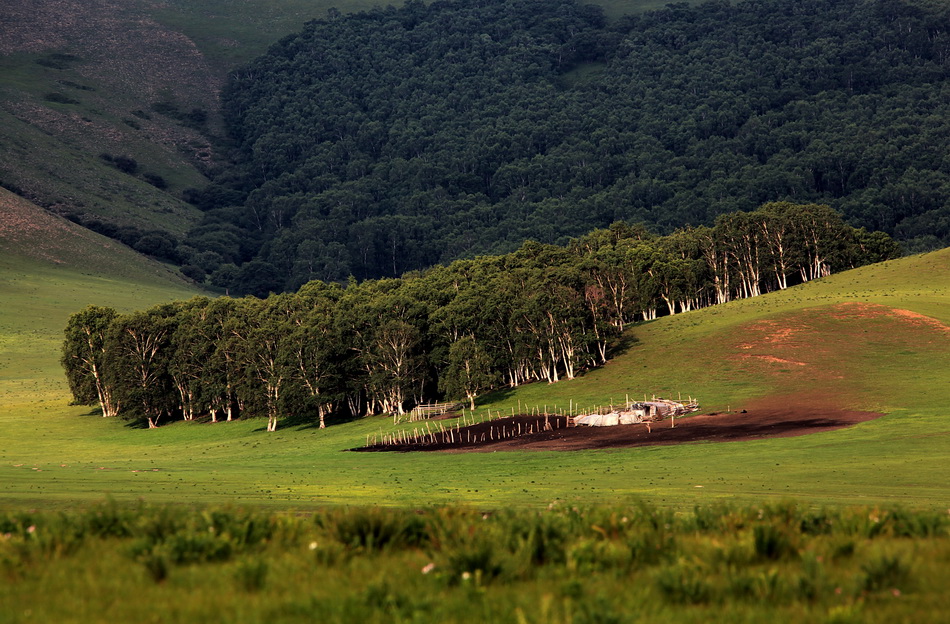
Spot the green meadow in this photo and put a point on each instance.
(227, 523)
(835, 342)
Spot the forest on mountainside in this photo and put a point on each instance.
(387, 141)
(541, 313)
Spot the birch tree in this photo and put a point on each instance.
(741, 239)
(85, 357)
(142, 347)
(266, 351)
(314, 347)
(468, 370)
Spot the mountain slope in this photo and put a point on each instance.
(81, 81)
(109, 110)
(388, 141)
(136, 80)
(32, 236)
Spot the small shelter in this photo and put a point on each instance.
(641, 411)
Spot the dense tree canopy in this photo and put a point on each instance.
(388, 141)
(541, 313)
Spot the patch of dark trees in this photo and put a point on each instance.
(196, 118)
(391, 140)
(157, 244)
(541, 313)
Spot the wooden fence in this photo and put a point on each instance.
(428, 410)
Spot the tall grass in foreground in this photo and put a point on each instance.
(783, 562)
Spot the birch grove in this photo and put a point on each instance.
(543, 313)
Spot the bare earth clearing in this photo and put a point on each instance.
(772, 418)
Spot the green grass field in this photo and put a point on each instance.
(840, 341)
(227, 523)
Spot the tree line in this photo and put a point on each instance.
(541, 313)
(387, 141)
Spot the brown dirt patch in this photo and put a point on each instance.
(855, 310)
(777, 417)
(776, 360)
(820, 348)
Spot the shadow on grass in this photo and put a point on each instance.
(626, 342)
(133, 423)
(304, 422)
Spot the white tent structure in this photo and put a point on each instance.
(646, 411)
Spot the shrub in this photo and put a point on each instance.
(109, 520)
(718, 517)
(159, 523)
(157, 244)
(251, 574)
(843, 550)
(479, 559)
(594, 555)
(186, 548)
(244, 529)
(125, 164)
(917, 524)
(59, 98)
(193, 272)
(155, 180)
(156, 565)
(816, 523)
(376, 529)
(772, 541)
(58, 60)
(884, 572)
(651, 546)
(683, 584)
(541, 539)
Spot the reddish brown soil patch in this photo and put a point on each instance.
(872, 310)
(773, 418)
(825, 348)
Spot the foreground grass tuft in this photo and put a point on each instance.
(598, 563)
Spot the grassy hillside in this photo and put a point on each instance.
(79, 80)
(49, 268)
(135, 79)
(874, 338)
